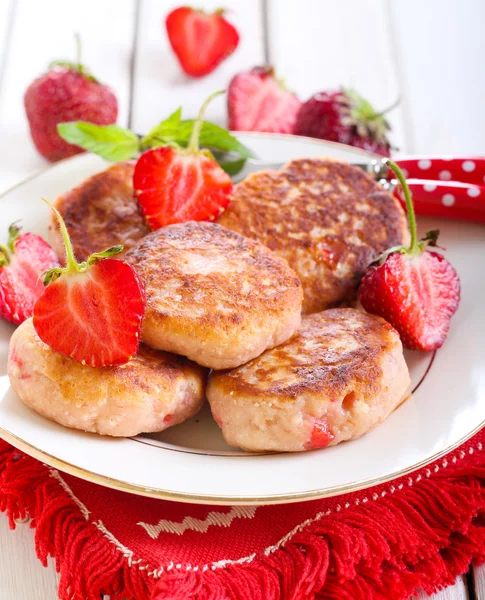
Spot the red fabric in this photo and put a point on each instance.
(420, 531)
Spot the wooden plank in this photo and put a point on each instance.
(160, 84)
(458, 591)
(22, 577)
(44, 31)
(444, 92)
(479, 582)
(41, 32)
(347, 44)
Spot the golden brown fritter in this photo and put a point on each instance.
(99, 213)
(151, 392)
(343, 373)
(214, 295)
(327, 218)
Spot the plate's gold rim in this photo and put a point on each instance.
(139, 490)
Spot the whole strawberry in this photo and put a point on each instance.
(200, 40)
(414, 288)
(344, 116)
(22, 261)
(258, 101)
(67, 92)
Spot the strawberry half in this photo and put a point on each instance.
(22, 261)
(91, 311)
(258, 101)
(200, 41)
(415, 289)
(174, 185)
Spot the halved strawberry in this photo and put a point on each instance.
(258, 101)
(415, 289)
(22, 261)
(200, 40)
(91, 311)
(174, 185)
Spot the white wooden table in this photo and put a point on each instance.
(430, 54)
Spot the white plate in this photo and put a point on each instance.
(191, 462)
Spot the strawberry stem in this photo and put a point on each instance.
(193, 146)
(6, 250)
(389, 108)
(414, 246)
(78, 52)
(72, 265)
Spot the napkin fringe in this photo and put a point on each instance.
(381, 545)
(422, 538)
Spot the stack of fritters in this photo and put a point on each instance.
(228, 296)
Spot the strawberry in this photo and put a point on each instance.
(344, 116)
(67, 92)
(415, 289)
(22, 261)
(258, 101)
(91, 311)
(174, 185)
(200, 41)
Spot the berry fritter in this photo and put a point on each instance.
(341, 375)
(100, 212)
(150, 393)
(330, 220)
(214, 295)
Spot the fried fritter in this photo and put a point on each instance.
(330, 220)
(214, 295)
(99, 213)
(342, 374)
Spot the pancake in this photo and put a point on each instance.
(214, 295)
(341, 375)
(99, 213)
(151, 392)
(327, 218)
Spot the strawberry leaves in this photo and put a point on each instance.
(115, 143)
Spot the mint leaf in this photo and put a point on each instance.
(175, 132)
(111, 142)
(232, 167)
(166, 130)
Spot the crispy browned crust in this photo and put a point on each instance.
(99, 213)
(234, 284)
(327, 218)
(333, 350)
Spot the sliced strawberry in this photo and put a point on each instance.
(178, 185)
(258, 101)
(92, 311)
(173, 187)
(321, 435)
(415, 289)
(22, 262)
(200, 41)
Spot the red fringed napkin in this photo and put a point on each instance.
(383, 543)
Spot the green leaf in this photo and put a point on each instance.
(232, 167)
(173, 131)
(111, 142)
(166, 129)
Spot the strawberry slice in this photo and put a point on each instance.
(91, 311)
(415, 289)
(22, 261)
(258, 101)
(174, 185)
(200, 41)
